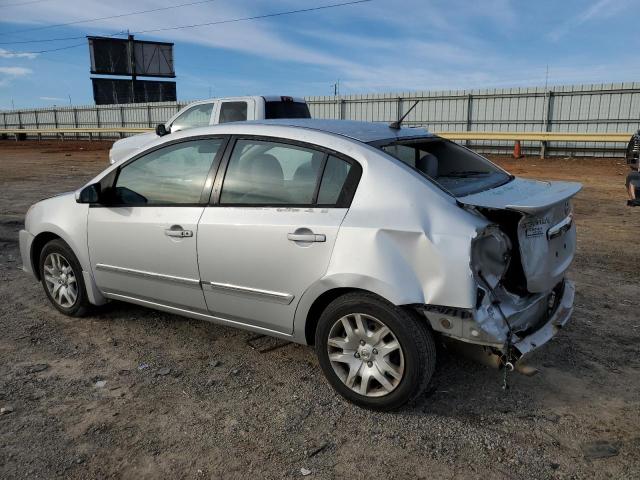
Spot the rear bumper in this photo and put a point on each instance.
(26, 239)
(548, 330)
(531, 322)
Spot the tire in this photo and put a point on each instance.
(54, 254)
(388, 378)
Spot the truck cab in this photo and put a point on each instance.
(212, 112)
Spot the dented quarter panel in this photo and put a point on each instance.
(403, 239)
(404, 231)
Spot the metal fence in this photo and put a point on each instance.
(91, 116)
(605, 108)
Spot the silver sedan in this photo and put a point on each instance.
(369, 241)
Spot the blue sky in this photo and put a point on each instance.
(399, 45)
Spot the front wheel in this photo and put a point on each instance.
(61, 276)
(375, 354)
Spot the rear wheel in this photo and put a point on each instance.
(375, 354)
(61, 277)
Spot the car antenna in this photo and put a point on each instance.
(396, 125)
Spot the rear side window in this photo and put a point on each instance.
(334, 180)
(233, 112)
(455, 169)
(197, 116)
(171, 175)
(263, 173)
(286, 109)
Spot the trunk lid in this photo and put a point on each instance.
(545, 232)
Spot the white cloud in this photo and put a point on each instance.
(8, 54)
(600, 9)
(53, 99)
(7, 74)
(15, 71)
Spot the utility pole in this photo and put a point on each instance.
(546, 78)
(70, 100)
(546, 112)
(132, 65)
(336, 88)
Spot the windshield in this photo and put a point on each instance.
(457, 170)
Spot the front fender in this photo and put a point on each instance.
(67, 219)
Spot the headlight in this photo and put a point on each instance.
(490, 256)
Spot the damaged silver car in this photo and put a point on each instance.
(369, 241)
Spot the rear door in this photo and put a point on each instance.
(270, 232)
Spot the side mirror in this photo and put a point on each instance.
(89, 194)
(161, 130)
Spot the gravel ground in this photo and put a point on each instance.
(132, 393)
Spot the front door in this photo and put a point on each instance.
(142, 240)
(271, 234)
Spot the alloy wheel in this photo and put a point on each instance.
(60, 280)
(365, 354)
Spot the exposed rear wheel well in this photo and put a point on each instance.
(329, 296)
(318, 307)
(36, 247)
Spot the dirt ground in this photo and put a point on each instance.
(133, 393)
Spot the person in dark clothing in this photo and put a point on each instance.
(633, 179)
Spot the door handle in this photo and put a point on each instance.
(306, 237)
(178, 231)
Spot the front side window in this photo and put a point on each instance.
(271, 173)
(233, 112)
(171, 175)
(196, 116)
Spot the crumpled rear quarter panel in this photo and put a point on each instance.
(407, 240)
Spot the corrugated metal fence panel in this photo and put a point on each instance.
(573, 108)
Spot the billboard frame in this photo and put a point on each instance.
(130, 45)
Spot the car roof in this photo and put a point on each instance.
(365, 132)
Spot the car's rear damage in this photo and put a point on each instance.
(519, 263)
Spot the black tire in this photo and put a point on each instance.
(81, 305)
(413, 334)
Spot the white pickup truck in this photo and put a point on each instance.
(212, 112)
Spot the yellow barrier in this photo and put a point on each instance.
(538, 136)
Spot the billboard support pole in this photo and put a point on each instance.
(132, 66)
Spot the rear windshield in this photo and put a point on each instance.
(286, 109)
(457, 170)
